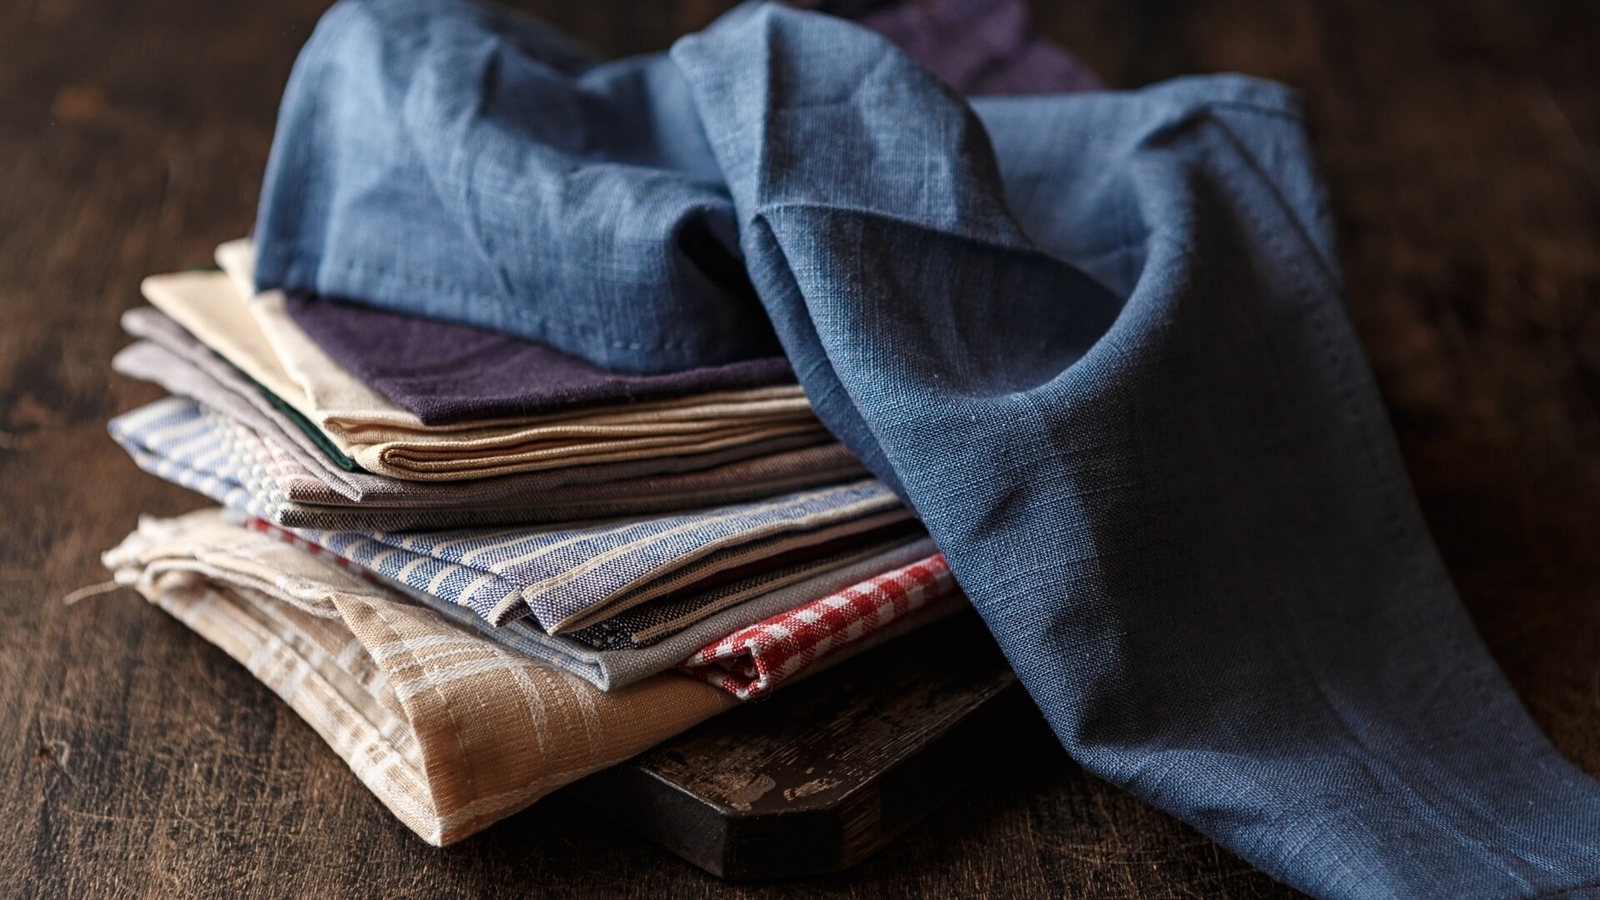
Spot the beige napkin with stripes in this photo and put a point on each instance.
(450, 730)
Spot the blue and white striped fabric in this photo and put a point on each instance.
(570, 577)
(174, 440)
(566, 577)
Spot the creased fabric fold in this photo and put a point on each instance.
(451, 731)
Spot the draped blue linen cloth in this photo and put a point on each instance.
(1096, 341)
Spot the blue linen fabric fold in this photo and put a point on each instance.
(1096, 341)
(444, 372)
(557, 161)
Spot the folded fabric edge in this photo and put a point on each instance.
(756, 660)
(406, 768)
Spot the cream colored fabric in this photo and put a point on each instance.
(449, 729)
(205, 304)
(259, 337)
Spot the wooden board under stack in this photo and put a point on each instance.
(823, 773)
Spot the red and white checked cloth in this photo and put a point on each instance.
(753, 661)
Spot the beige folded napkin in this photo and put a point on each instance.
(449, 729)
(258, 336)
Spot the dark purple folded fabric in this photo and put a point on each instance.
(446, 373)
(975, 46)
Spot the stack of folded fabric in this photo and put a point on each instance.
(481, 567)
(563, 540)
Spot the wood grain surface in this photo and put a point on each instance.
(1462, 141)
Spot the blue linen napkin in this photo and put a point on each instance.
(1096, 341)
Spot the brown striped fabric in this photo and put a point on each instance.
(451, 730)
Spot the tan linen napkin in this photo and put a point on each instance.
(261, 339)
(449, 729)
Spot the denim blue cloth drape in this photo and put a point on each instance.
(1096, 341)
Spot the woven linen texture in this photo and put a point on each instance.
(450, 730)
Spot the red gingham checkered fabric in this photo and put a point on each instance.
(753, 661)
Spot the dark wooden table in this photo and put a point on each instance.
(1462, 139)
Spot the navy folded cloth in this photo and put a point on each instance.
(1095, 340)
(445, 373)
(976, 46)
